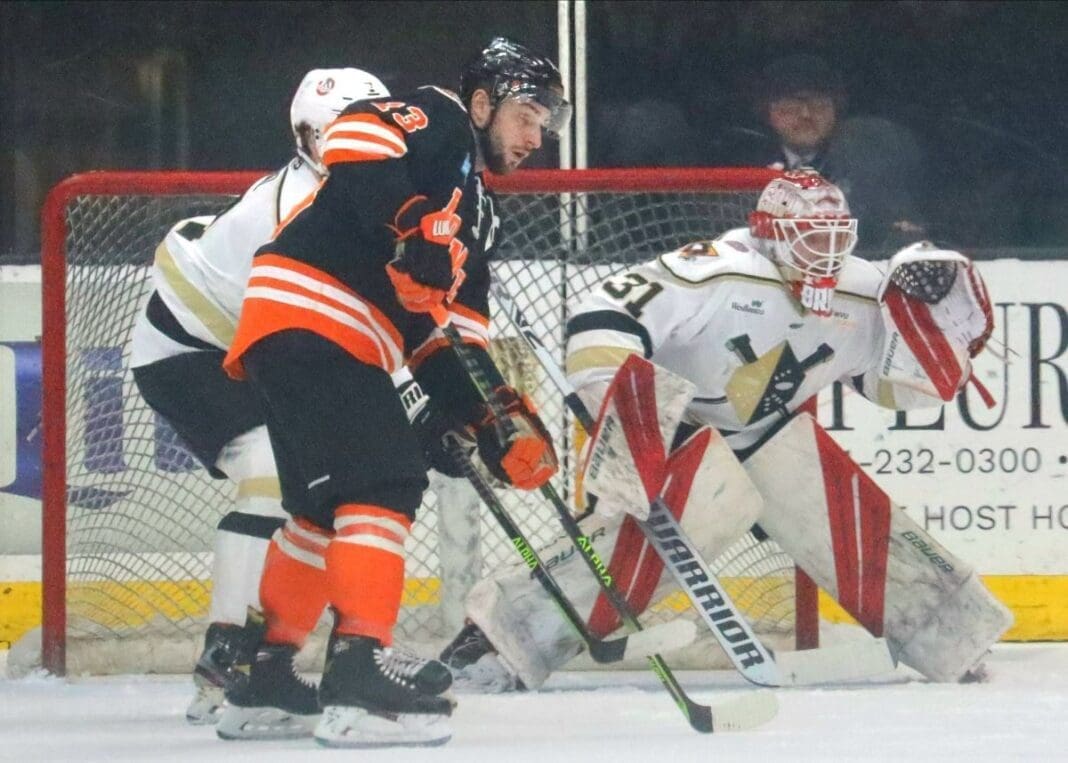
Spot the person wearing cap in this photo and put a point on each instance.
(877, 163)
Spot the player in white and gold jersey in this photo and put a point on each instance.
(758, 321)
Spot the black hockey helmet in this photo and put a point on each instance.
(508, 69)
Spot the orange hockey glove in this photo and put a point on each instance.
(526, 458)
(427, 268)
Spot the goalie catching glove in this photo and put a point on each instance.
(938, 316)
(427, 269)
(516, 448)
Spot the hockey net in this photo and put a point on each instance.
(129, 515)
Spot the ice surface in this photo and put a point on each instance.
(1021, 713)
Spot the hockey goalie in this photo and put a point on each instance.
(698, 363)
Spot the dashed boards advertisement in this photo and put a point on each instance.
(988, 483)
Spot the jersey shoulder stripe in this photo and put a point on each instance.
(362, 138)
(610, 320)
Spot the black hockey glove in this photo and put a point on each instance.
(431, 426)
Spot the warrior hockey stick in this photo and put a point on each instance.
(739, 714)
(659, 638)
(735, 635)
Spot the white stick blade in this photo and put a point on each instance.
(834, 664)
(746, 712)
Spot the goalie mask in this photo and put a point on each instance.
(807, 223)
(321, 96)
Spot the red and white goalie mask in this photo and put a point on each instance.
(806, 220)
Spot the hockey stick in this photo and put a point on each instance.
(659, 638)
(735, 635)
(741, 713)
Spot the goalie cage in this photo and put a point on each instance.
(129, 516)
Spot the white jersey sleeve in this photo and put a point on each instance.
(201, 267)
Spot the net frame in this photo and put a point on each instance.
(572, 187)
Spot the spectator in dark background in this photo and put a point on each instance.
(877, 163)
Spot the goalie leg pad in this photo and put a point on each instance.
(716, 503)
(882, 567)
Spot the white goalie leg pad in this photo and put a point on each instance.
(883, 568)
(638, 417)
(244, 533)
(717, 503)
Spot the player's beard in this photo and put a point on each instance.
(492, 153)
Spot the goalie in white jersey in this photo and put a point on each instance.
(178, 345)
(759, 321)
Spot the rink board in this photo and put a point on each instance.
(988, 484)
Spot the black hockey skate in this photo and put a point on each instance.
(225, 647)
(476, 667)
(275, 702)
(372, 697)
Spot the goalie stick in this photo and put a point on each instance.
(737, 714)
(756, 663)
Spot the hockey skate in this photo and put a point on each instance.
(275, 703)
(225, 647)
(475, 665)
(371, 697)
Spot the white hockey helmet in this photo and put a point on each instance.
(321, 96)
(807, 222)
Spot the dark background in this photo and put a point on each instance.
(109, 85)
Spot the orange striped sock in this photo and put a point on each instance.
(365, 569)
(293, 588)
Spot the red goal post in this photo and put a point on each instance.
(113, 570)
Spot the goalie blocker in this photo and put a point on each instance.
(842, 529)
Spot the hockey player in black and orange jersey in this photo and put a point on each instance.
(335, 303)
(176, 349)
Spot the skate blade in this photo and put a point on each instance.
(358, 728)
(206, 707)
(264, 723)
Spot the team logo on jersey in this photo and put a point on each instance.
(325, 86)
(767, 383)
(698, 249)
(487, 221)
